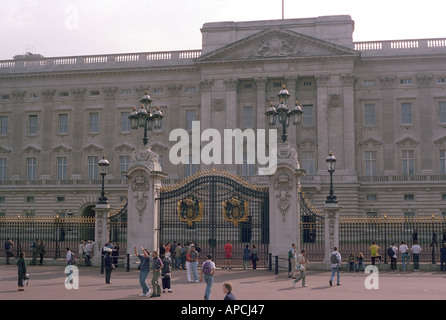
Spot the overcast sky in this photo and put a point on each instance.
(84, 27)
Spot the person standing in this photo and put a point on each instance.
(143, 270)
(301, 261)
(166, 274)
(404, 254)
(8, 251)
(416, 250)
(443, 257)
(81, 252)
(35, 250)
(208, 270)
(335, 260)
(178, 253)
(292, 255)
(157, 266)
(393, 258)
(227, 289)
(21, 269)
(228, 255)
(254, 257)
(374, 252)
(194, 263)
(41, 251)
(87, 250)
(108, 264)
(246, 257)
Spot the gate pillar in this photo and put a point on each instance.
(331, 216)
(284, 206)
(144, 183)
(101, 232)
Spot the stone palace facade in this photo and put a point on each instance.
(379, 106)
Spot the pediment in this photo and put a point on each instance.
(440, 141)
(370, 142)
(92, 148)
(61, 149)
(124, 148)
(407, 141)
(4, 150)
(31, 150)
(276, 43)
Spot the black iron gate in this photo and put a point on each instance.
(213, 207)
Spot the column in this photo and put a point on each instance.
(144, 183)
(331, 214)
(101, 232)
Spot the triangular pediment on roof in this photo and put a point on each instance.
(407, 141)
(92, 148)
(124, 148)
(440, 141)
(276, 43)
(61, 149)
(370, 142)
(4, 150)
(31, 150)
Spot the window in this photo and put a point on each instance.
(405, 81)
(308, 163)
(124, 165)
(158, 90)
(62, 167)
(190, 168)
(34, 95)
(190, 89)
(248, 169)
(61, 199)
(93, 167)
(33, 124)
(3, 125)
(370, 163)
(368, 83)
(443, 196)
(441, 80)
(371, 197)
(442, 161)
(369, 114)
(30, 199)
(442, 112)
(126, 92)
(95, 93)
(247, 117)
(307, 116)
(63, 123)
(64, 94)
(31, 168)
(191, 115)
(94, 122)
(409, 197)
(3, 166)
(125, 122)
(408, 162)
(406, 113)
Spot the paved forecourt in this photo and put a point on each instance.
(48, 283)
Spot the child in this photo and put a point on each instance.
(166, 274)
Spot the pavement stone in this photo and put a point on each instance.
(48, 283)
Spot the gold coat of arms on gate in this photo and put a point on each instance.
(190, 210)
(236, 210)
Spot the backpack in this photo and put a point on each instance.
(334, 258)
(290, 254)
(206, 268)
(390, 252)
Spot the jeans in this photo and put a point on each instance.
(108, 271)
(333, 271)
(416, 261)
(404, 258)
(178, 262)
(194, 267)
(300, 277)
(208, 278)
(443, 262)
(360, 263)
(142, 280)
(392, 263)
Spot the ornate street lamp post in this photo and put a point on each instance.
(283, 114)
(146, 119)
(103, 166)
(331, 164)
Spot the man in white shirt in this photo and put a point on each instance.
(300, 266)
(335, 260)
(87, 249)
(404, 254)
(416, 249)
